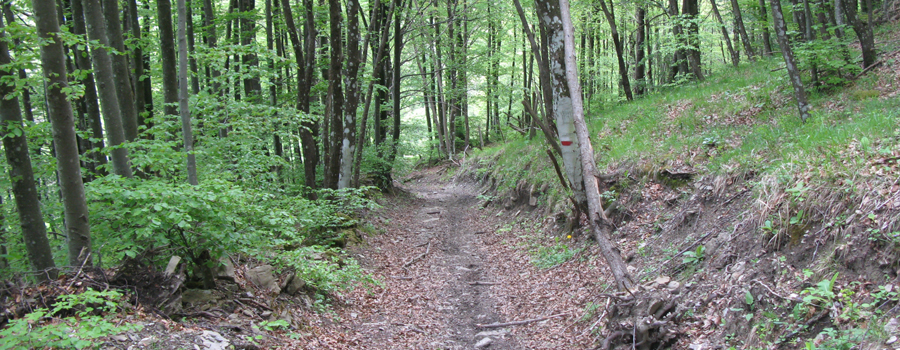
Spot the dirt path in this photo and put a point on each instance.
(437, 288)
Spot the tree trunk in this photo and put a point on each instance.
(600, 225)
(763, 17)
(348, 144)
(305, 56)
(735, 58)
(167, 52)
(21, 174)
(335, 96)
(121, 72)
(90, 99)
(608, 11)
(185, 112)
(788, 54)
(691, 11)
(137, 60)
(53, 61)
(640, 65)
(555, 65)
(739, 22)
(109, 100)
(863, 29)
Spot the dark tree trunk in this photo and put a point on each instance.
(735, 58)
(691, 10)
(764, 18)
(53, 61)
(640, 65)
(739, 22)
(167, 51)
(106, 86)
(120, 69)
(250, 61)
(608, 11)
(90, 99)
(21, 175)
(304, 53)
(137, 60)
(354, 59)
(788, 54)
(863, 29)
(335, 95)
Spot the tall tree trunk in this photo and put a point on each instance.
(121, 72)
(90, 98)
(137, 60)
(336, 95)
(764, 18)
(863, 29)
(109, 100)
(600, 224)
(739, 22)
(735, 58)
(183, 106)
(53, 61)
(167, 51)
(608, 11)
(26, 92)
(788, 54)
(304, 53)
(348, 143)
(21, 174)
(247, 35)
(640, 65)
(690, 9)
(192, 62)
(555, 61)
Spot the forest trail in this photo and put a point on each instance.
(431, 260)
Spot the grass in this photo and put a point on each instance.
(737, 121)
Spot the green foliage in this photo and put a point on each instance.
(549, 256)
(39, 329)
(694, 257)
(323, 269)
(822, 294)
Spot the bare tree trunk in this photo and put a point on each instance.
(763, 16)
(348, 144)
(788, 54)
(137, 60)
(305, 56)
(739, 22)
(109, 100)
(187, 135)
(608, 11)
(21, 174)
(167, 52)
(863, 29)
(53, 61)
(640, 65)
(735, 58)
(691, 11)
(90, 99)
(120, 69)
(600, 225)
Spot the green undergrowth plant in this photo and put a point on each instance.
(92, 318)
(546, 257)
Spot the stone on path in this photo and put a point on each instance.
(263, 277)
(483, 343)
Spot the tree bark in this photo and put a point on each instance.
(788, 54)
(334, 111)
(304, 53)
(21, 174)
(348, 143)
(690, 9)
(863, 29)
(600, 225)
(137, 59)
(167, 53)
(106, 86)
(735, 58)
(739, 22)
(640, 65)
(121, 73)
(763, 17)
(608, 11)
(185, 112)
(90, 98)
(53, 62)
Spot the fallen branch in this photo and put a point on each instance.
(418, 257)
(517, 323)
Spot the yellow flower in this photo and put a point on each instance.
(569, 237)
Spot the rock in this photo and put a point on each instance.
(673, 285)
(892, 326)
(214, 341)
(263, 277)
(119, 337)
(225, 270)
(662, 280)
(891, 340)
(483, 343)
(200, 298)
(294, 284)
(499, 333)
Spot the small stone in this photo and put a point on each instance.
(891, 340)
(892, 326)
(673, 285)
(225, 270)
(263, 277)
(173, 264)
(662, 280)
(483, 343)
(147, 341)
(214, 341)
(119, 337)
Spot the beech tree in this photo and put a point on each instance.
(53, 61)
(790, 64)
(21, 174)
